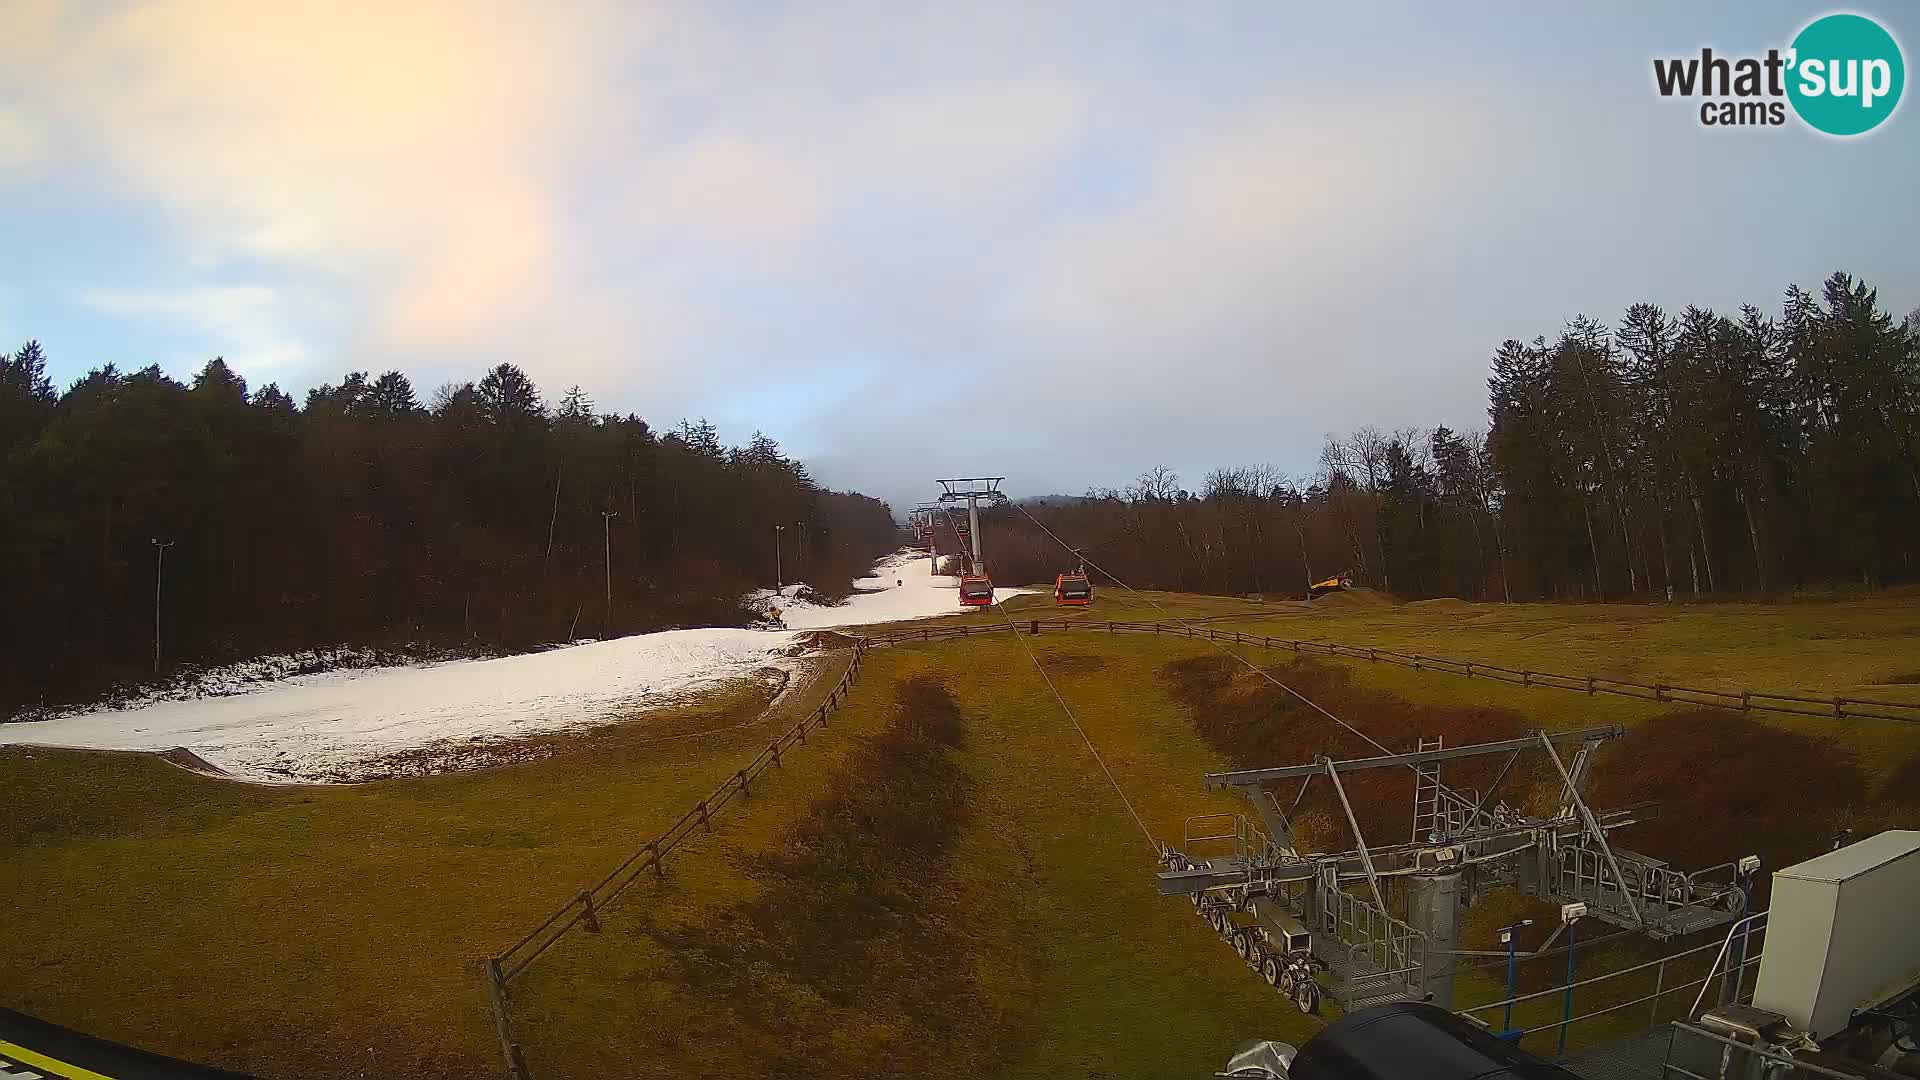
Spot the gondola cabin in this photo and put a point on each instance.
(1072, 590)
(976, 590)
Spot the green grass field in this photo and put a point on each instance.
(309, 932)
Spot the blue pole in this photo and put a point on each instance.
(1566, 1015)
(1508, 1024)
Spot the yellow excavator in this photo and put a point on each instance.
(1336, 583)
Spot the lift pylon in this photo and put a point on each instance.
(1380, 920)
(974, 490)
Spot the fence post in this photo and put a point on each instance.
(497, 997)
(1746, 701)
(1033, 628)
(1526, 678)
(820, 716)
(774, 746)
(1469, 669)
(658, 869)
(746, 788)
(1838, 712)
(705, 818)
(590, 921)
(1659, 691)
(1589, 686)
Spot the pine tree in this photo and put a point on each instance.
(508, 398)
(576, 407)
(391, 396)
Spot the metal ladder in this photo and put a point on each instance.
(1426, 793)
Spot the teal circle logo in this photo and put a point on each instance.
(1845, 74)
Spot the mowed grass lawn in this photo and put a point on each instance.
(337, 931)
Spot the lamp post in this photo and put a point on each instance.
(159, 560)
(778, 582)
(1569, 914)
(606, 533)
(1510, 940)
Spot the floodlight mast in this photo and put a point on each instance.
(974, 489)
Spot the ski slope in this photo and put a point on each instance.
(372, 722)
(898, 589)
(348, 725)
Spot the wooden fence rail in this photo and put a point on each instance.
(582, 909)
(1835, 706)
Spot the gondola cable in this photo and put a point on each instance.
(1014, 630)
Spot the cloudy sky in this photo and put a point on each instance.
(1058, 241)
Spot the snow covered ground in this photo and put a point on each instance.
(898, 589)
(348, 725)
(345, 725)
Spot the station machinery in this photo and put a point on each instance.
(1309, 922)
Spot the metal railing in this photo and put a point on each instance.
(1742, 931)
(1661, 987)
(1836, 706)
(583, 908)
(1389, 946)
(1248, 840)
(1694, 1053)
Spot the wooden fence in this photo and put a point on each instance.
(1836, 706)
(582, 909)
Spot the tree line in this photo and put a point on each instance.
(1692, 455)
(482, 519)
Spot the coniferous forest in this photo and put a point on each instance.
(480, 519)
(1735, 456)
(1740, 455)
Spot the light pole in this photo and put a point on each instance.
(778, 582)
(606, 533)
(1569, 914)
(159, 560)
(1509, 939)
(800, 557)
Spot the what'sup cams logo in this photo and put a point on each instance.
(1842, 76)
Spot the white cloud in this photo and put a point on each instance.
(18, 144)
(243, 323)
(1135, 235)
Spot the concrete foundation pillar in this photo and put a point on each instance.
(1433, 907)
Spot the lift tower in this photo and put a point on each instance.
(926, 530)
(975, 490)
(1381, 919)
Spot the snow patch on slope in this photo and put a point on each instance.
(898, 589)
(343, 725)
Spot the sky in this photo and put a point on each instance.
(1061, 242)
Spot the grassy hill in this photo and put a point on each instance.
(987, 897)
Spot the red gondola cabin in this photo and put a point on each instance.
(1072, 590)
(976, 590)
